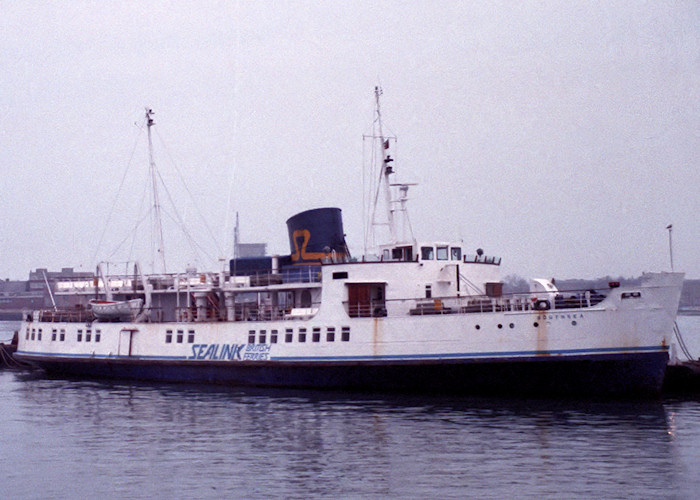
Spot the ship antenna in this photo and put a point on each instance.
(670, 244)
(157, 224)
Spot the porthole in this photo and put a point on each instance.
(573, 322)
(477, 327)
(512, 325)
(535, 324)
(500, 326)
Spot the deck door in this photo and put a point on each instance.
(359, 300)
(125, 341)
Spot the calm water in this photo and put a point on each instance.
(79, 439)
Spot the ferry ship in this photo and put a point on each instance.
(412, 316)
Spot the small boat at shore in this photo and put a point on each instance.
(415, 315)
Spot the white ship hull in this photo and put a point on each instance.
(619, 346)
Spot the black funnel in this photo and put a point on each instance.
(317, 235)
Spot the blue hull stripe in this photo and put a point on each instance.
(500, 355)
(471, 355)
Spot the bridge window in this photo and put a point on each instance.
(426, 253)
(456, 253)
(402, 253)
(441, 253)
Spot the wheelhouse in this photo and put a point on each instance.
(435, 252)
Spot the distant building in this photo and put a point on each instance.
(16, 296)
(64, 273)
(38, 278)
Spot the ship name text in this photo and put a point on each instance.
(232, 352)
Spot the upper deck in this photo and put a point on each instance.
(370, 288)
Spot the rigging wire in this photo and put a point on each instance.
(146, 193)
(196, 247)
(178, 220)
(171, 212)
(197, 209)
(466, 280)
(130, 235)
(681, 342)
(116, 198)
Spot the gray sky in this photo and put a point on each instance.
(562, 136)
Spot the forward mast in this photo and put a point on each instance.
(394, 194)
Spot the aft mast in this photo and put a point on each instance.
(157, 245)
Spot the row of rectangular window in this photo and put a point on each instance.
(35, 334)
(88, 335)
(179, 336)
(301, 335)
